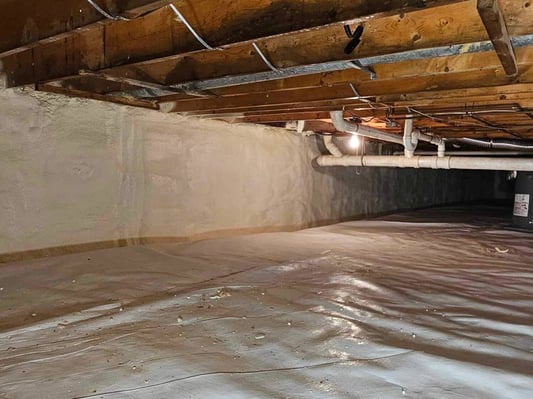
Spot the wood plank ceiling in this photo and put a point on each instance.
(461, 68)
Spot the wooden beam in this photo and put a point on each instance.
(461, 71)
(287, 97)
(459, 23)
(494, 22)
(388, 91)
(446, 66)
(27, 21)
(463, 104)
(502, 92)
(320, 106)
(93, 85)
(319, 126)
(382, 36)
(282, 117)
(50, 88)
(159, 34)
(467, 70)
(303, 113)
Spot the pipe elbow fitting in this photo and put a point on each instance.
(441, 149)
(332, 147)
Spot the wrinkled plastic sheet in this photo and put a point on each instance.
(432, 304)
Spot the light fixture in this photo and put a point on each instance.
(354, 141)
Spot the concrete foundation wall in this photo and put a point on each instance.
(77, 171)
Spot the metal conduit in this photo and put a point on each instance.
(498, 144)
(301, 70)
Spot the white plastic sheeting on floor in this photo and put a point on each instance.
(432, 304)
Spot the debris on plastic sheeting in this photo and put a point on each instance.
(407, 305)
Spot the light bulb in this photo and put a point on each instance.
(354, 141)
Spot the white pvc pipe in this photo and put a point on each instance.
(410, 140)
(343, 126)
(332, 147)
(425, 162)
(471, 153)
(438, 141)
(441, 149)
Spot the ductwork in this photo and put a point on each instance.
(477, 163)
(498, 145)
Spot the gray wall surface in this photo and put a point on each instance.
(76, 171)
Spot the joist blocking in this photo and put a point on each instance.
(494, 21)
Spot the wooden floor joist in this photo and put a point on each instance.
(28, 21)
(101, 97)
(159, 34)
(154, 60)
(381, 36)
(441, 69)
(386, 91)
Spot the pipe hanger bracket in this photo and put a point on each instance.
(357, 65)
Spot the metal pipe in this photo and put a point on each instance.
(344, 126)
(497, 144)
(301, 70)
(478, 163)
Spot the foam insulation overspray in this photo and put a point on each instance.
(76, 171)
(65, 186)
(131, 160)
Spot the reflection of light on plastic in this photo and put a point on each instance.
(354, 141)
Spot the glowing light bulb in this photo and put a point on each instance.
(354, 141)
